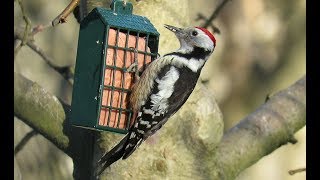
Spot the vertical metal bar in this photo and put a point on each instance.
(145, 50)
(128, 120)
(136, 54)
(104, 59)
(123, 77)
(113, 75)
(155, 45)
(136, 59)
(137, 47)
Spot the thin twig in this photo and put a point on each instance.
(26, 37)
(65, 71)
(294, 171)
(41, 53)
(208, 22)
(27, 21)
(39, 28)
(62, 17)
(215, 13)
(26, 29)
(24, 141)
(16, 50)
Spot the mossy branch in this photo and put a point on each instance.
(263, 131)
(270, 126)
(40, 110)
(49, 116)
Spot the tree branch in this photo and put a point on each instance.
(50, 117)
(294, 171)
(24, 141)
(62, 17)
(208, 22)
(40, 110)
(263, 131)
(65, 71)
(26, 29)
(259, 134)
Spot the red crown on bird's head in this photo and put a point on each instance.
(208, 33)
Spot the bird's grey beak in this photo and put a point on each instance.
(173, 29)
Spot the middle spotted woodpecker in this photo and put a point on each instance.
(162, 89)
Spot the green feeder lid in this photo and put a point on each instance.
(121, 16)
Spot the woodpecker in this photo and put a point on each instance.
(162, 89)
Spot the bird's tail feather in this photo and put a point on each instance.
(112, 156)
(132, 146)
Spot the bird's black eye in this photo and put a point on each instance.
(194, 33)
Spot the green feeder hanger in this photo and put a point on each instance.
(109, 42)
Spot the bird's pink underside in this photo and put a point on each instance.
(116, 58)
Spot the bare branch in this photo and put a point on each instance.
(26, 29)
(65, 71)
(294, 171)
(27, 37)
(24, 141)
(62, 17)
(27, 21)
(39, 28)
(50, 117)
(40, 110)
(266, 129)
(208, 22)
(263, 131)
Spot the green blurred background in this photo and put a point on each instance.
(261, 50)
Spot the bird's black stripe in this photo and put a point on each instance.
(163, 71)
(155, 88)
(197, 53)
(183, 87)
(148, 104)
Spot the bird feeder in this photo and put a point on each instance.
(110, 41)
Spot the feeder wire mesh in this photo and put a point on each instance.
(120, 115)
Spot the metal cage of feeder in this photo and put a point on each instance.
(109, 42)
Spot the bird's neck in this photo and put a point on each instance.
(193, 58)
(196, 53)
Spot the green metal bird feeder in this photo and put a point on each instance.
(109, 42)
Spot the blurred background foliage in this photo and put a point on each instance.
(261, 50)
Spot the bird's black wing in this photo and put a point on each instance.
(148, 120)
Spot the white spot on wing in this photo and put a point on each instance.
(133, 135)
(129, 145)
(140, 131)
(166, 87)
(148, 111)
(144, 122)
